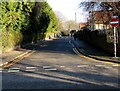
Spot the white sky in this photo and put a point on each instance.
(68, 9)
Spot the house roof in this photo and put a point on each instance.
(83, 24)
(102, 16)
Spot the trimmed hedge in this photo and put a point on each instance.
(25, 22)
(99, 39)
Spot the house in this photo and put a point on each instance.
(99, 19)
(81, 25)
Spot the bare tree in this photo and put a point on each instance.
(70, 25)
(60, 16)
(113, 6)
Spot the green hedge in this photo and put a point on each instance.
(25, 22)
(99, 39)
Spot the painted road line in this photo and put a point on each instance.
(47, 67)
(62, 66)
(51, 69)
(14, 70)
(31, 70)
(107, 67)
(99, 65)
(97, 60)
(78, 53)
(68, 68)
(1, 70)
(73, 45)
(31, 67)
(82, 65)
(70, 41)
(74, 49)
(115, 65)
(19, 59)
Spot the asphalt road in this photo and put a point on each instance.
(55, 65)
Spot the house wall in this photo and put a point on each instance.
(100, 26)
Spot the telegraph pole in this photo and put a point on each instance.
(75, 21)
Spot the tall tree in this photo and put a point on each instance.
(113, 6)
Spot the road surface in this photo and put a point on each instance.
(55, 65)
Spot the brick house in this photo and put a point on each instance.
(81, 25)
(100, 19)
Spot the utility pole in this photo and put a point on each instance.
(75, 21)
(92, 20)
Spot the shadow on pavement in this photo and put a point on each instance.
(54, 46)
(71, 80)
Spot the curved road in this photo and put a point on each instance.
(55, 65)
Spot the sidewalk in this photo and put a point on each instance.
(90, 51)
(14, 54)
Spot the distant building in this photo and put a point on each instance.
(81, 25)
(100, 19)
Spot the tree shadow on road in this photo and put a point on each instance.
(59, 79)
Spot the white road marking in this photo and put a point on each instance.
(14, 68)
(70, 42)
(74, 49)
(107, 67)
(68, 68)
(1, 69)
(31, 70)
(31, 67)
(13, 71)
(47, 67)
(82, 65)
(99, 65)
(115, 65)
(62, 66)
(51, 69)
(73, 45)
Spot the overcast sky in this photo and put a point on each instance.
(68, 9)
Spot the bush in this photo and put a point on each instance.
(65, 33)
(25, 22)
